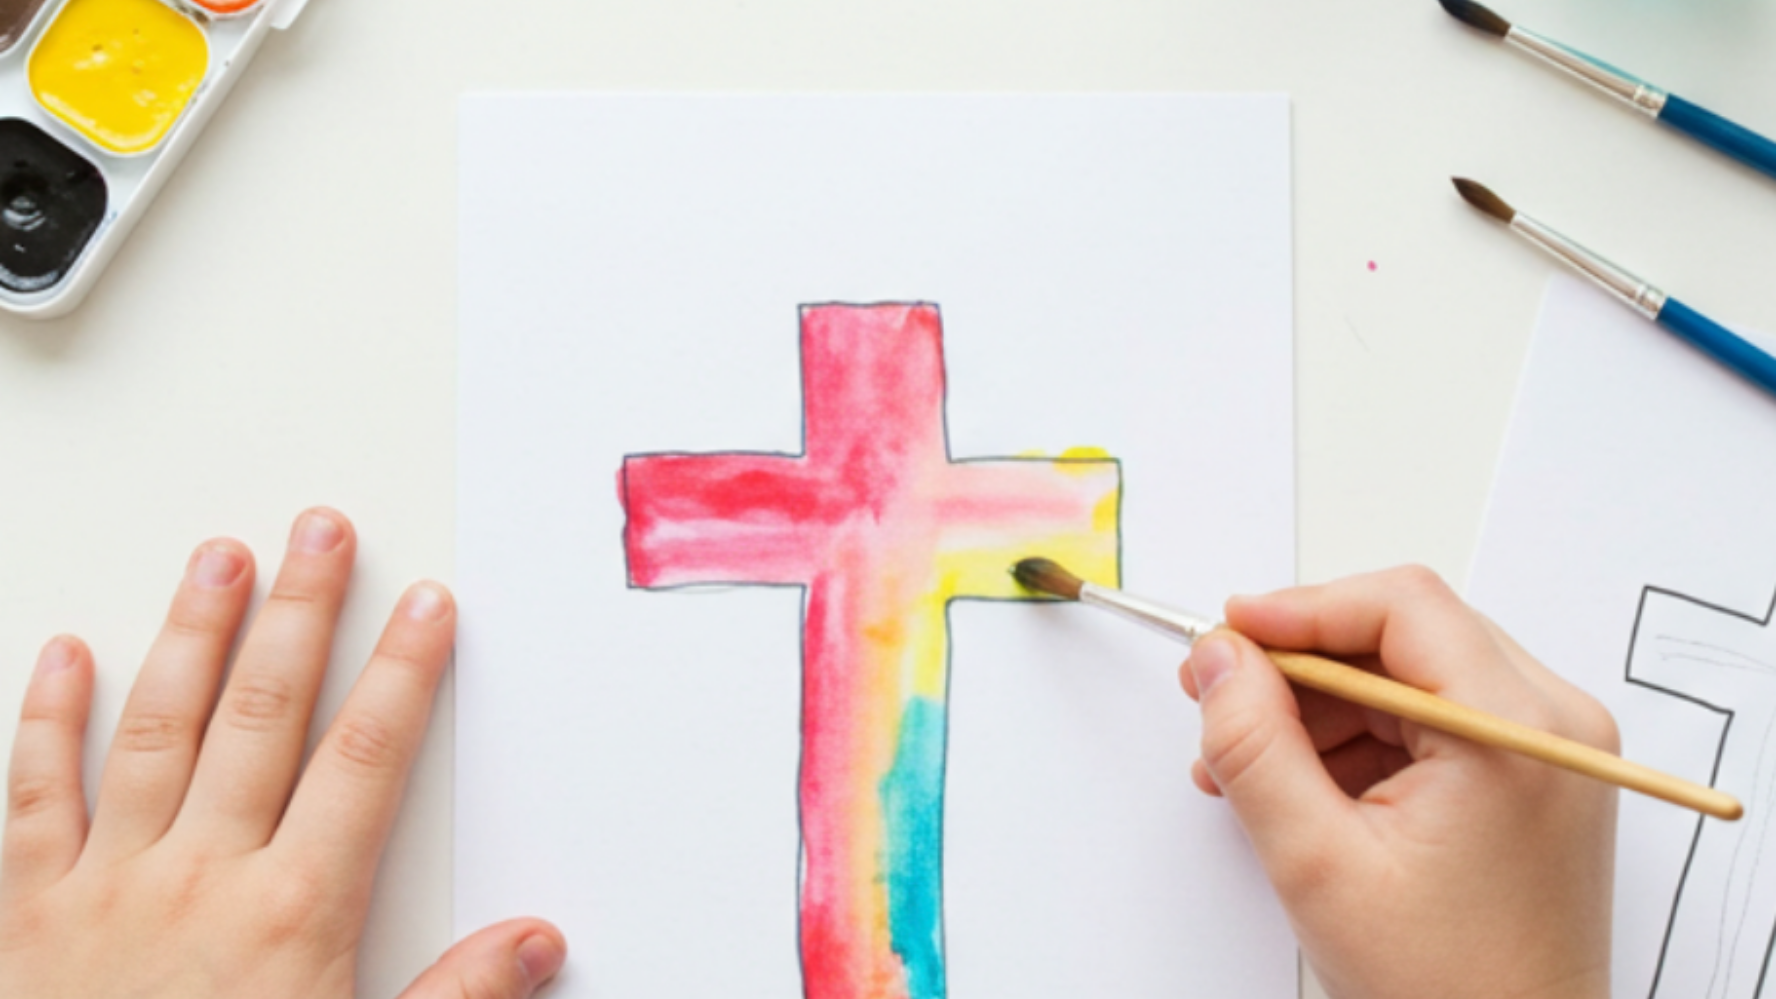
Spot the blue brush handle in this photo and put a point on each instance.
(1755, 365)
(1711, 129)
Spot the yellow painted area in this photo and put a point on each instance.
(928, 653)
(986, 573)
(1083, 453)
(983, 570)
(1107, 517)
(1075, 461)
(119, 71)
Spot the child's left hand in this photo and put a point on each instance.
(215, 865)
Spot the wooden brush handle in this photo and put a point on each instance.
(1373, 691)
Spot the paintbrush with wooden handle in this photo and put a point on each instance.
(1409, 703)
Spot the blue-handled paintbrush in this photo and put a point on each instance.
(1711, 338)
(1698, 123)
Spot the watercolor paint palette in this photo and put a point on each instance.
(99, 101)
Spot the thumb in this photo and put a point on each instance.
(508, 961)
(1262, 759)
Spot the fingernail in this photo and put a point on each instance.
(540, 957)
(425, 602)
(1210, 663)
(318, 533)
(216, 566)
(58, 655)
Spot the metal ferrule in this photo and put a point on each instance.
(1640, 296)
(1187, 627)
(1637, 93)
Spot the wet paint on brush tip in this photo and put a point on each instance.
(52, 201)
(15, 20)
(120, 72)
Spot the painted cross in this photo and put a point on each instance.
(883, 530)
(1722, 932)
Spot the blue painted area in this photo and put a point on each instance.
(912, 802)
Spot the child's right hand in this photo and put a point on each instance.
(1412, 863)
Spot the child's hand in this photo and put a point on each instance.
(216, 866)
(1412, 863)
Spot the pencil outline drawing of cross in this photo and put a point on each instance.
(1721, 932)
(882, 530)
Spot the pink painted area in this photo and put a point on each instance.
(864, 519)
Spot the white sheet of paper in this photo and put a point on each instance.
(1112, 272)
(1630, 545)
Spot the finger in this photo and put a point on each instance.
(45, 806)
(1330, 722)
(507, 961)
(1423, 633)
(1362, 763)
(346, 801)
(1526, 664)
(1257, 752)
(149, 766)
(1199, 775)
(253, 749)
(1581, 716)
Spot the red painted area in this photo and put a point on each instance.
(874, 407)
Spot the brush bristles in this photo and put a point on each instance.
(1045, 576)
(1475, 16)
(1477, 195)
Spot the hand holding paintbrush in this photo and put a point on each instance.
(1400, 700)
(1411, 863)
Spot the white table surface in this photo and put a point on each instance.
(279, 331)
